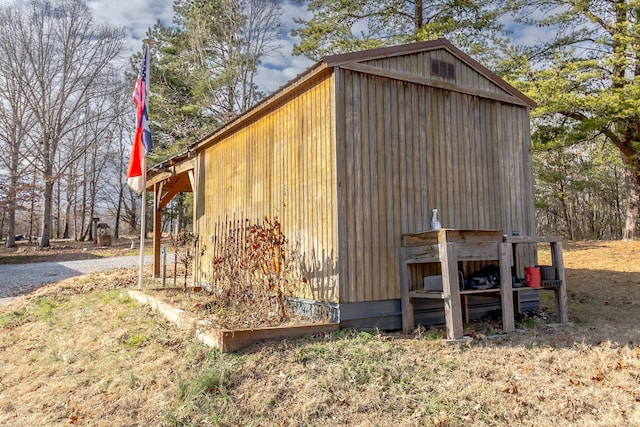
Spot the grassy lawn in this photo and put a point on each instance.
(80, 352)
(68, 250)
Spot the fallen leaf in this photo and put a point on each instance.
(598, 376)
(509, 388)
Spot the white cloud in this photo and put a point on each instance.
(278, 68)
(136, 16)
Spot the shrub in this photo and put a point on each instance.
(256, 266)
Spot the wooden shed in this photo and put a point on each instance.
(356, 152)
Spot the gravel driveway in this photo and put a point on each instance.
(19, 279)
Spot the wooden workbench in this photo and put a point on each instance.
(449, 247)
(559, 286)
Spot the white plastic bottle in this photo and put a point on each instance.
(435, 224)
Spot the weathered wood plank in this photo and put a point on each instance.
(478, 251)
(451, 291)
(419, 147)
(342, 188)
(428, 250)
(506, 295)
(394, 222)
(473, 162)
(371, 191)
(416, 168)
(446, 217)
(402, 76)
(434, 165)
(423, 164)
(561, 294)
(455, 236)
(387, 160)
(457, 179)
(405, 286)
(358, 214)
(382, 258)
(236, 340)
(364, 195)
(270, 167)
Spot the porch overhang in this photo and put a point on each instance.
(166, 180)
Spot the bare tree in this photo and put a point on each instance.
(60, 55)
(226, 51)
(16, 121)
(117, 197)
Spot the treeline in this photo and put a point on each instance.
(66, 116)
(62, 133)
(579, 192)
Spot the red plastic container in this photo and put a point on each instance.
(532, 277)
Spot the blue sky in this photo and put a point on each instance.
(136, 16)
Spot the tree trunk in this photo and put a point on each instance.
(11, 226)
(46, 213)
(68, 206)
(58, 197)
(632, 180)
(13, 195)
(11, 220)
(83, 214)
(418, 19)
(2, 221)
(116, 227)
(32, 209)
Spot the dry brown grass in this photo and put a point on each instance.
(64, 250)
(80, 352)
(242, 316)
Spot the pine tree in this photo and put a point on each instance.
(586, 80)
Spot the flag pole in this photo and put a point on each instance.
(147, 43)
(143, 225)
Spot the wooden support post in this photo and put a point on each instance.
(164, 266)
(517, 306)
(157, 227)
(464, 301)
(561, 292)
(195, 265)
(506, 290)
(405, 300)
(451, 291)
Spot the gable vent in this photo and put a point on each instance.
(443, 69)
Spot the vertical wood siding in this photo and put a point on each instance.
(405, 149)
(352, 161)
(282, 164)
(419, 64)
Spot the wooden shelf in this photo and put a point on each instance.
(440, 295)
(532, 239)
(448, 247)
(547, 285)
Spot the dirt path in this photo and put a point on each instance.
(18, 279)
